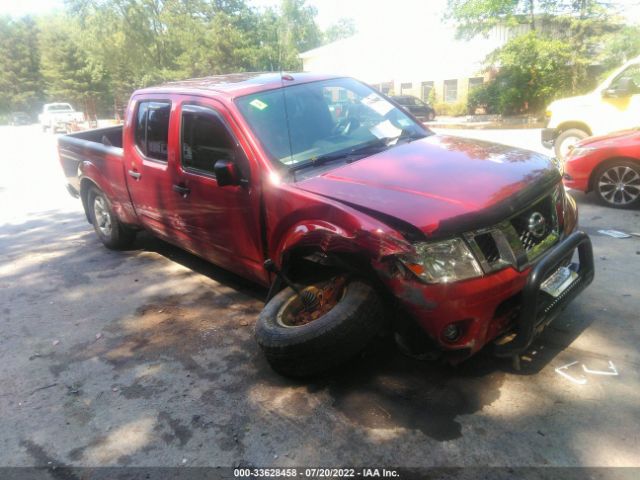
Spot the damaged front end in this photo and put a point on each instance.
(494, 282)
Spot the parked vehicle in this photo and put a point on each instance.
(609, 166)
(19, 118)
(416, 107)
(58, 116)
(612, 106)
(355, 223)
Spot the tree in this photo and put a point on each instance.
(69, 73)
(475, 17)
(620, 46)
(343, 28)
(99, 51)
(20, 79)
(578, 26)
(533, 70)
(298, 32)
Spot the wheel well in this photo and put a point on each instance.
(579, 125)
(309, 263)
(607, 162)
(85, 185)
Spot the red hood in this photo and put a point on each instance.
(441, 184)
(618, 139)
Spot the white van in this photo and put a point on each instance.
(613, 105)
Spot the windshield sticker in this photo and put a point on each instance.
(259, 104)
(377, 104)
(385, 129)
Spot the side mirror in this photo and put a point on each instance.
(625, 87)
(226, 173)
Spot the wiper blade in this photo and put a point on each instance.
(377, 144)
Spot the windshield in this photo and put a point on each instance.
(59, 107)
(302, 123)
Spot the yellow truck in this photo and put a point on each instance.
(613, 105)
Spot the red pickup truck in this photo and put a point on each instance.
(358, 218)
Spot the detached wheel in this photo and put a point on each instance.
(300, 341)
(111, 232)
(566, 140)
(617, 184)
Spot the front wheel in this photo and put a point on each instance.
(300, 341)
(566, 140)
(617, 184)
(111, 232)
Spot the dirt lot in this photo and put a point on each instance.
(146, 357)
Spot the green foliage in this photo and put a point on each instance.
(533, 70)
(553, 59)
(97, 52)
(20, 79)
(450, 109)
(620, 46)
(343, 28)
(474, 17)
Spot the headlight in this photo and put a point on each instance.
(579, 152)
(442, 262)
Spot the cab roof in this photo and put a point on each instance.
(236, 84)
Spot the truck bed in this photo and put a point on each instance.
(98, 155)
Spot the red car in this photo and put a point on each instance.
(355, 222)
(609, 166)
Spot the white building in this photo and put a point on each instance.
(414, 63)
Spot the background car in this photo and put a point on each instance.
(608, 165)
(58, 116)
(416, 107)
(611, 107)
(19, 118)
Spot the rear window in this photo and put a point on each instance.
(152, 129)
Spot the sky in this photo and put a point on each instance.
(368, 15)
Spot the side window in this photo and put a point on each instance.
(141, 127)
(152, 129)
(205, 139)
(633, 72)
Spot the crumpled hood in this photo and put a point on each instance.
(441, 185)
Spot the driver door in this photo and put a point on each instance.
(221, 224)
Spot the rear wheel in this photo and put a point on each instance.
(566, 140)
(111, 232)
(301, 341)
(617, 184)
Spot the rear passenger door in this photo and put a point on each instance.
(221, 224)
(147, 165)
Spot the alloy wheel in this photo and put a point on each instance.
(619, 185)
(102, 215)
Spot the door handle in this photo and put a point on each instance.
(135, 174)
(182, 190)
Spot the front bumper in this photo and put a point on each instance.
(537, 310)
(548, 137)
(507, 301)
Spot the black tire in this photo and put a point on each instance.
(118, 236)
(607, 174)
(431, 116)
(327, 342)
(571, 135)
